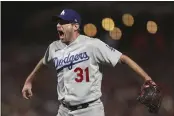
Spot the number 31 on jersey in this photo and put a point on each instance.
(82, 74)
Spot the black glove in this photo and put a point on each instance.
(150, 96)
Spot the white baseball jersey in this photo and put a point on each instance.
(77, 64)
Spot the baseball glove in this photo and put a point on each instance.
(150, 96)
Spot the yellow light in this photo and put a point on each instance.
(152, 27)
(128, 20)
(115, 33)
(108, 24)
(90, 30)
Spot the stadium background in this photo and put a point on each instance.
(27, 30)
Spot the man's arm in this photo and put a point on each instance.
(26, 91)
(150, 95)
(33, 73)
(125, 59)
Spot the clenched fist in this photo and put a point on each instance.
(26, 91)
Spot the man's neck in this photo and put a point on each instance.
(73, 38)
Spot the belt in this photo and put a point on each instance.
(76, 107)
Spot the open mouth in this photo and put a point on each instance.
(61, 33)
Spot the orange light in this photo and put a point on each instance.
(115, 33)
(152, 27)
(90, 30)
(108, 24)
(128, 20)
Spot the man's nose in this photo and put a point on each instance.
(59, 26)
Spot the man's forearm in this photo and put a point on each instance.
(135, 67)
(33, 73)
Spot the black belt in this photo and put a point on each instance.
(76, 107)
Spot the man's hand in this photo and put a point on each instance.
(26, 91)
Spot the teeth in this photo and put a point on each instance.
(61, 32)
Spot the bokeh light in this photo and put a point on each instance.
(108, 24)
(115, 33)
(128, 20)
(152, 27)
(90, 30)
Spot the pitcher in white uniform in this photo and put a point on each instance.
(76, 58)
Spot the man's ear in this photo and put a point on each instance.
(76, 27)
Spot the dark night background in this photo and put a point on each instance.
(27, 30)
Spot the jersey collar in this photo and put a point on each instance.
(77, 40)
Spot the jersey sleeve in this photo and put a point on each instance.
(105, 54)
(47, 56)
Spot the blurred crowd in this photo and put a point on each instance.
(120, 85)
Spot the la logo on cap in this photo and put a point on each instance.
(62, 13)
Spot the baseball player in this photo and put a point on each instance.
(76, 59)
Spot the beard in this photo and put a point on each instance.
(68, 37)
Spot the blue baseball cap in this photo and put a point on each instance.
(68, 15)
